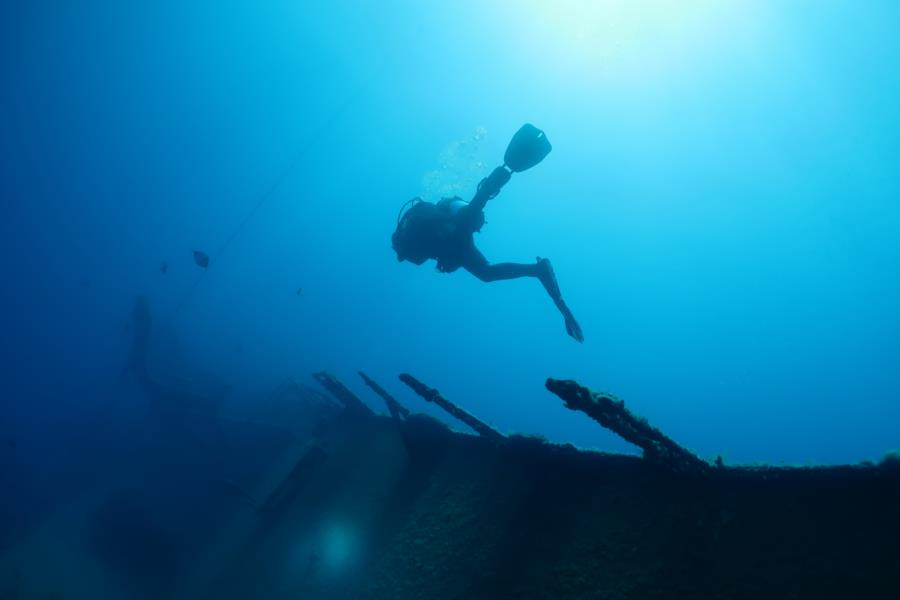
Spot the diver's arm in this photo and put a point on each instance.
(490, 186)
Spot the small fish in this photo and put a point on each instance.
(299, 291)
(201, 258)
(163, 268)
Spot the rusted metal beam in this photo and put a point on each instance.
(397, 410)
(610, 412)
(352, 403)
(432, 395)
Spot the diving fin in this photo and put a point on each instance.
(528, 147)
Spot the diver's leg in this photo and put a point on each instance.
(501, 271)
(477, 265)
(548, 279)
(472, 260)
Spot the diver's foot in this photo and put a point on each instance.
(548, 278)
(572, 327)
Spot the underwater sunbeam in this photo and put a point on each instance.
(587, 34)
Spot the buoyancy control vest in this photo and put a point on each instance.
(421, 228)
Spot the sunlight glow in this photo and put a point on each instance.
(597, 34)
(339, 547)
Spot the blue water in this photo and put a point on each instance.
(720, 206)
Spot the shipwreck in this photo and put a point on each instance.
(358, 496)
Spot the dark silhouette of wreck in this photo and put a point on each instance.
(360, 505)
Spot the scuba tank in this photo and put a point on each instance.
(423, 227)
(409, 240)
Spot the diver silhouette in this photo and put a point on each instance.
(445, 231)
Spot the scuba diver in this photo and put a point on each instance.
(444, 231)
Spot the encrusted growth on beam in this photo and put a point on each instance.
(352, 403)
(611, 413)
(432, 395)
(397, 410)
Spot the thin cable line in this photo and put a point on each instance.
(270, 191)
